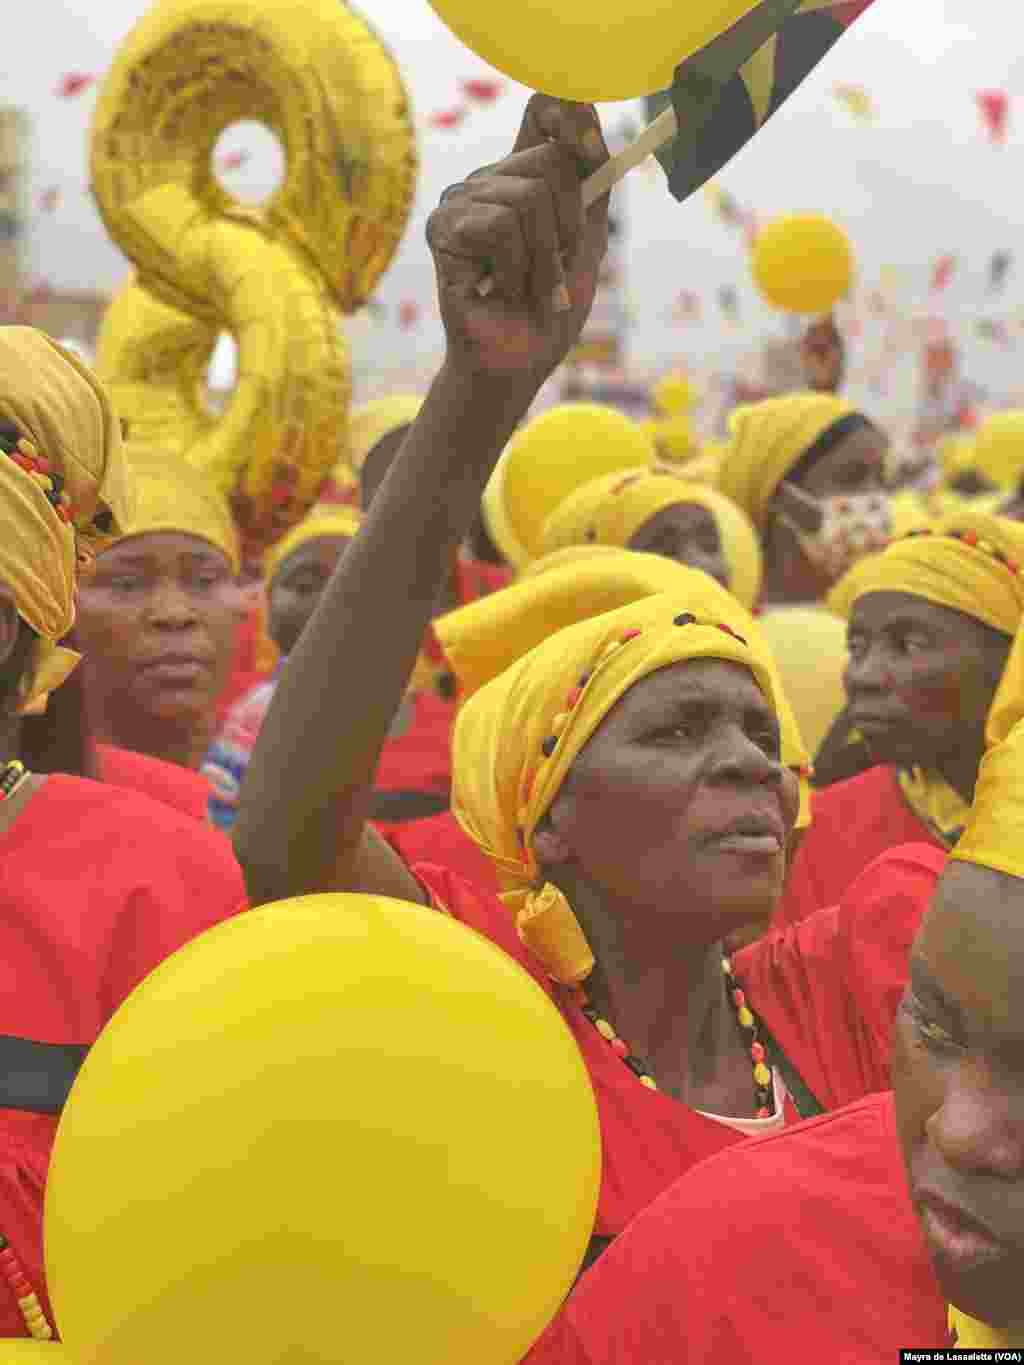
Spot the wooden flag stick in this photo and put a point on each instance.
(655, 135)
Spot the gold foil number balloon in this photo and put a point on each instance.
(278, 277)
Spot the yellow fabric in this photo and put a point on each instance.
(546, 460)
(956, 455)
(768, 439)
(978, 1336)
(676, 440)
(809, 648)
(322, 523)
(58, 405)
(368, 426)
(935, 803)
(559, 559)
(947, 572)
(909, 512)
(999, 448)
(502, 782)
(171, 495)
(611, 509)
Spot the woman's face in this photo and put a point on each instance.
(679, 803)
(157, 624)
(958, 1076)
(856, 464)
(296, 588)
(686, 533)
(921, 678)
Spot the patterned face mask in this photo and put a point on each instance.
(853, 525)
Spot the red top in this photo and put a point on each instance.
(185, 790)
(99, 886)
(441, 839)
(421, 759)
(827, 990)
(796, 1248)
(245, 673)
(854, 822)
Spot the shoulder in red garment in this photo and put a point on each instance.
(853, 823)
(440, 839)
(420, 759)
(798, 1247)
(828, 987)
(186, 791)
(649, 1139)
(100, 885)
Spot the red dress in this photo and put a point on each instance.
(99, 886)
(827, 990)
(854, 822)
(799, 1247)
(245, 669)
(185, 790)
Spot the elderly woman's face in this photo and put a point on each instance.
(157, 624)
(679, 801)
(686, 533)
(921, 677)
(958, 1075)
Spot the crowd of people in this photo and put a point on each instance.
(729, 769)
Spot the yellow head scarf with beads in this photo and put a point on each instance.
(768, 441)
(170, 495)
(525, 716)
(368, 426)
(62, 416)
(610, 510)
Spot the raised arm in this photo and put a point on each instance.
(521, 224)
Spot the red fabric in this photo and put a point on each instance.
(854, 822)
(440, 839)
(421, 759)
(477, 578)
(99, 886)
(186, 791)
(244, 671)
(800, 1247)
(827, 990)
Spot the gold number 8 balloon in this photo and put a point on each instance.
(276, 277)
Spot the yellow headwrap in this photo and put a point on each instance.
(809, 647)
(61, 409)
(978, 1336)
(322, 523)
(610, 510)
(170, 495)
(560, 559)
(369, 425)
(768, 440)
(982, 580)
(503, 781)
(546, 460)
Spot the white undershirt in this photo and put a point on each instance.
(758, 1127)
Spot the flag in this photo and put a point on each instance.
(49, 200)
(994, 107)
(233, 161)
(449, 118)
(722, 95)
(74, 83)
(942, 273)
(409, 313)
(483, 91)
(998, 270)
(857, 101)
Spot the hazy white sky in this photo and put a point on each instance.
(921, 182)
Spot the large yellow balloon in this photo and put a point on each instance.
(803, 263)
(24, 1351)
(335, 1129)
(999, 450)
(590, 50)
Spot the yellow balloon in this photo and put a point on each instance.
(590, 50)
(278, 278)
(334, 1129)
(809, 647)
(999, 449)
(549, 458)
(674, 396)
(803, 263)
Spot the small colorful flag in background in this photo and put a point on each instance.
(994, 107)
(856, 100)
(998, 270)
(481, 90)
(449, 118)
(723, 96)
(72, 84)
(942, 273)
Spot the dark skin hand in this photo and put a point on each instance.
(920, 683)
(522, 224)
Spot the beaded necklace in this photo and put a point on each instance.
(13, 776)
(747, 1020)
(28, 1301)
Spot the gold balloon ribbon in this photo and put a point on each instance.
(278, 277)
